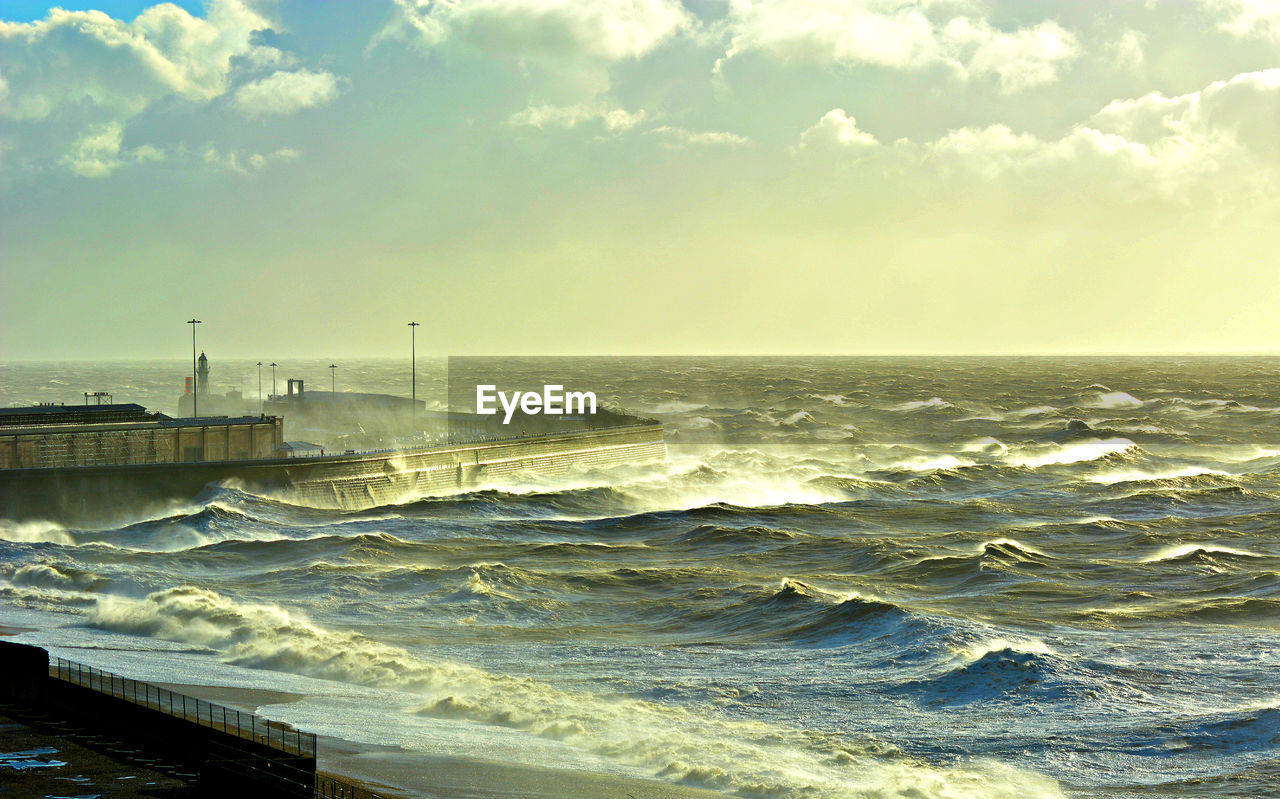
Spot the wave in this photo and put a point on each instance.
(1000, 671)
(933, 403)
(795, 613)
(1139, 476)
(931, 463)
(35, 532)
(1186, 553)
(799, 419)
(749, 538)
(63, 578)
(1234, 610)
(674, 743)
(1114, 399)
(674, 407)
(987, 561)
(987, 446)
(1058, 455)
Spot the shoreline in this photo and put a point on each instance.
(395, 773)
(401, 774)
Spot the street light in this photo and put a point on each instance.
(413, 359)
(333, 378)
(274, 393)
(259, 385)
(195, 388)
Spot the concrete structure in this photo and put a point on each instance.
(228, 752)
(361, 480)
(90, 488)
(58, 436)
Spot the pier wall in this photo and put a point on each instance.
(172, 441)
(109, 494)
(377, 479)
(227, 750)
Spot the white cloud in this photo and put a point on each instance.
(96, 153)
(1127, 52)
(550, 116)
(247, 163)
(876, 32)
(286, 92)
(74, 57)
(837, 130)
(1246, 18)
(698, 137)
(1020, 60)
(1226, 131)
(899, 35)
(608, 30)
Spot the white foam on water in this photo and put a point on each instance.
(1182, 550)
(1061, 454)
(1115, 399)
(988, 445)
(35, 532)
(927, 463)
(683, 745)
(1134, 475)
(932, 402)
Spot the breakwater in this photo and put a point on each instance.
(93, 494)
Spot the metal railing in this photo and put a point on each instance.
(246, 726)
(330, 788)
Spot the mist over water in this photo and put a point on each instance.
(853, 578)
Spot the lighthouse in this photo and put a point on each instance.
(202, 375)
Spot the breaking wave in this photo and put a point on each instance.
(674, 743)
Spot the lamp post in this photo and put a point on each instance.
(274, 393)
(413, 359)
(333, 378)
(259, 385)
(195, 388)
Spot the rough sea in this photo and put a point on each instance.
(853, 577)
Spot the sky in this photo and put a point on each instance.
(639, 176)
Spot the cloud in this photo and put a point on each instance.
(676, 135)
(1249, 18)
(97, 152)
(848, 32)
(1127, 52)
(550, 116)
(286, 92)
(899, 35)
(1226, 131)
(1020, 60)
(837, 130)
(607, 30)
(75, 57)
(248, 163)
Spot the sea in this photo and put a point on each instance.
(852, 577)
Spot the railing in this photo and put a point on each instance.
(330, 788)
(246, 726)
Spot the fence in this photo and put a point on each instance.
(246, 726)
(330, 788)
(198, 711)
